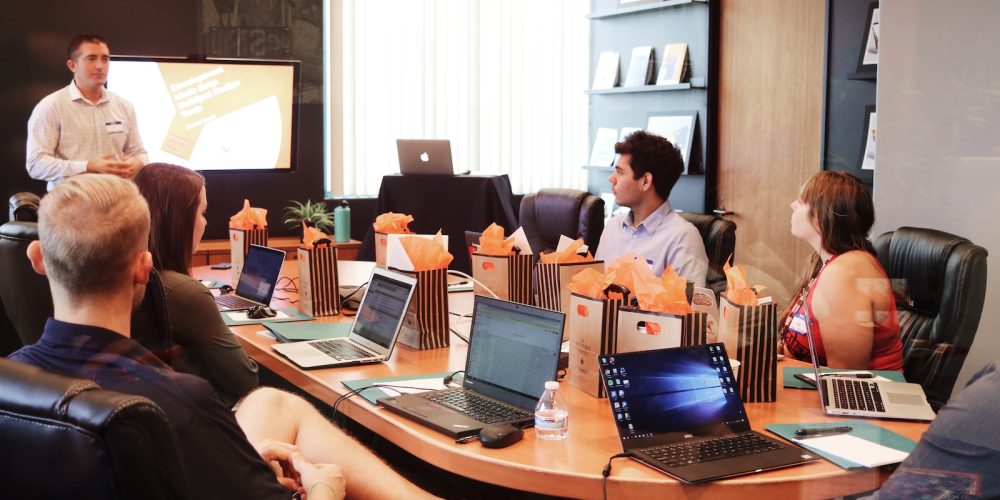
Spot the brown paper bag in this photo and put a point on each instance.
(640, 330)
(239, 244)
(319, 290)
(750, 334)
(592, 325)
(426, 323)
(553, 292)
(509, 277)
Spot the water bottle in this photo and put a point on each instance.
(551, 414)
(342, 222)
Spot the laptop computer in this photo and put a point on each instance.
(424, 156)
(257, 280)
(679, 411)
(864, 397)
(513, 351)
(374, 331)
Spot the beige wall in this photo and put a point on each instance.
(770, 128)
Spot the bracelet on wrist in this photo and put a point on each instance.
(324, 483)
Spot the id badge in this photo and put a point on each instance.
(798, 324)
(115, 127)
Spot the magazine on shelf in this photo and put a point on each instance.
(607, 74)
(640, 67)
(603, 154)
(674, 68)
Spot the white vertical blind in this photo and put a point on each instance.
(503, 80)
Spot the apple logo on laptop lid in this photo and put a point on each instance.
(424, 157)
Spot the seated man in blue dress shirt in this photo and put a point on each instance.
(647, 169)
(93, 236)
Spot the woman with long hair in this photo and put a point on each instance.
(845, 291)
(206, 347)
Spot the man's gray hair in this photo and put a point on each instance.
(91, 227)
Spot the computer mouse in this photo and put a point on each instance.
(261, 312)
(499, 435)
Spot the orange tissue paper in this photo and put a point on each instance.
(426, 254)
(738, 290)
(493, 243)
(311, 235)
(249, 217)
(393, 223)
(567, 256)
(589, 283)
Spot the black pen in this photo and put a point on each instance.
(813, 431)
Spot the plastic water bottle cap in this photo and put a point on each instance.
(552, 385)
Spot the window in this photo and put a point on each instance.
(503, 80)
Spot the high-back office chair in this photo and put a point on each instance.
(945, 284)
(67, 438)
(26, 301)
(24, 206)
(552, 212)
(719, 236)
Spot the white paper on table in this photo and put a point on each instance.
(521, 241)
(566, 241)
(855, 449)
(266, 334)
(242, 316)
(414, 386)
(395, 255)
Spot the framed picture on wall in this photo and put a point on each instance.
(677, 127)
(868, 60)
(868, 150)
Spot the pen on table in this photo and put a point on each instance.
(812, 431)
(467, 439)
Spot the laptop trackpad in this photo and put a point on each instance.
(901, 398)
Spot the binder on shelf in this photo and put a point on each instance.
(607, 74)
(674, 68)
(603, 154)
(640, 67)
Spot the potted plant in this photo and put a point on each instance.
(313, 214)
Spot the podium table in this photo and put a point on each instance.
(452, 203)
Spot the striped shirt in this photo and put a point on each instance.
(66, 131)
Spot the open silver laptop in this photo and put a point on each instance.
(257, 280)
(374, 331)
(866, 397)
(424, 156)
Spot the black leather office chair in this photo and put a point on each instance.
(26, 301)
(24, 206)
(67, 438)
(552, 212)
(940, 280)
(719, 236)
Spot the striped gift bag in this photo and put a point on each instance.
(593, 329)
(319, 291)
(508, 277)
(750, 334)
(553, 279)
(426, 323)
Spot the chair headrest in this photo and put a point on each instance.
(922, 256)
(24, 206)
(19, 230)
(31, 390)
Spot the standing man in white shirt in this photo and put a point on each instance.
(83, 127)
(647, 170)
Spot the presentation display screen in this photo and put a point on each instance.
(212, 114)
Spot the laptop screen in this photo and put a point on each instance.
(513, 350)
(382, 308)
(260, 272)
(684, 390)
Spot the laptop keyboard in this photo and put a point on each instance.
(480, 408)
(233, 301)
(678, 454)
(857, 395)
(342, 350)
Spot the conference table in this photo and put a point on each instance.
(568, 468)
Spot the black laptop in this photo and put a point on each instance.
(679, 411)
(257, 280)
(513, 351)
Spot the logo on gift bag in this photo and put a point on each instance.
(582, 311)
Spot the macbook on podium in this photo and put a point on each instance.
(374, 331)
(679, 411)
(424, 156)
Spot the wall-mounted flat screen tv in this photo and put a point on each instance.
(212, 114)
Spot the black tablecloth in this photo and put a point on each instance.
(453, 204)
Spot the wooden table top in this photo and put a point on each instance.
(564, 468)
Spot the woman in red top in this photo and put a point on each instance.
(847, 294)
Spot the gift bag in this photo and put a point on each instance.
(639, 330)
(319, 290)
(239, 244)
(381, 244)
(592, 325)
(426, 323)
(695, 329)
(552, 280)
(508, 277)
(750, 334)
